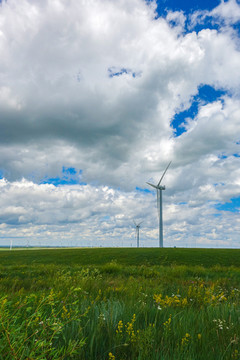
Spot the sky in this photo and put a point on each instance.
(96, 98)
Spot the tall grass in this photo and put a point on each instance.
(117, 311)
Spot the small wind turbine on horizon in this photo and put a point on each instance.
(137, 231)
(159, 189)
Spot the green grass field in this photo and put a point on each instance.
(122, 304)
(124, 256)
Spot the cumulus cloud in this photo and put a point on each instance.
(94, 86)
(227, 13)
(85, 215)
(215, 130)
(82, 212)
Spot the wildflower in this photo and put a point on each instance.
(199, 336)
(235, 354)
(4, 302)
(65, 312)
(101, 317)
(221, 324)
(111, 356)
(167, 323)
(130, 329)
(174, 300)
(120, 327)
(185, 340)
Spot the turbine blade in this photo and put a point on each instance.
(164, 173)
(152, 185)
(140, 223)
(134, 222)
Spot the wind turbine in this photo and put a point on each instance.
(137, 231)
(159, 189)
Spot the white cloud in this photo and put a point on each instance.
(227, 12)
(92, 216)
(215, 130)
(94, 85)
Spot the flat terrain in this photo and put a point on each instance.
(120, 304)
(124, 256)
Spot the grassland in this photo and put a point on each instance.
(122, 304)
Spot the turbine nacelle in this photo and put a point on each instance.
(137, 225)
(158, 187)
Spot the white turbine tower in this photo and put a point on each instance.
(137, 231)
(159, 189)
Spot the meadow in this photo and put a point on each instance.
(120, 304)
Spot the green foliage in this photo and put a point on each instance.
(114, 309)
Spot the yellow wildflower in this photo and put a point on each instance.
(111, 356)
(185, 340)
(235, 354)
(130, 329)
(167, 323)
(120, 327)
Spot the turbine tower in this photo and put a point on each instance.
(159, 189)
(137, 231)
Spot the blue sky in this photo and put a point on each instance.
(233, 205)
(186, 6)
(206, 94)
(68, 176)
(96, 98)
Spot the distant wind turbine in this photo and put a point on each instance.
(137, 231)
(159, 189)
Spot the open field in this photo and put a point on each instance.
(120, 304)
(124, 256)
